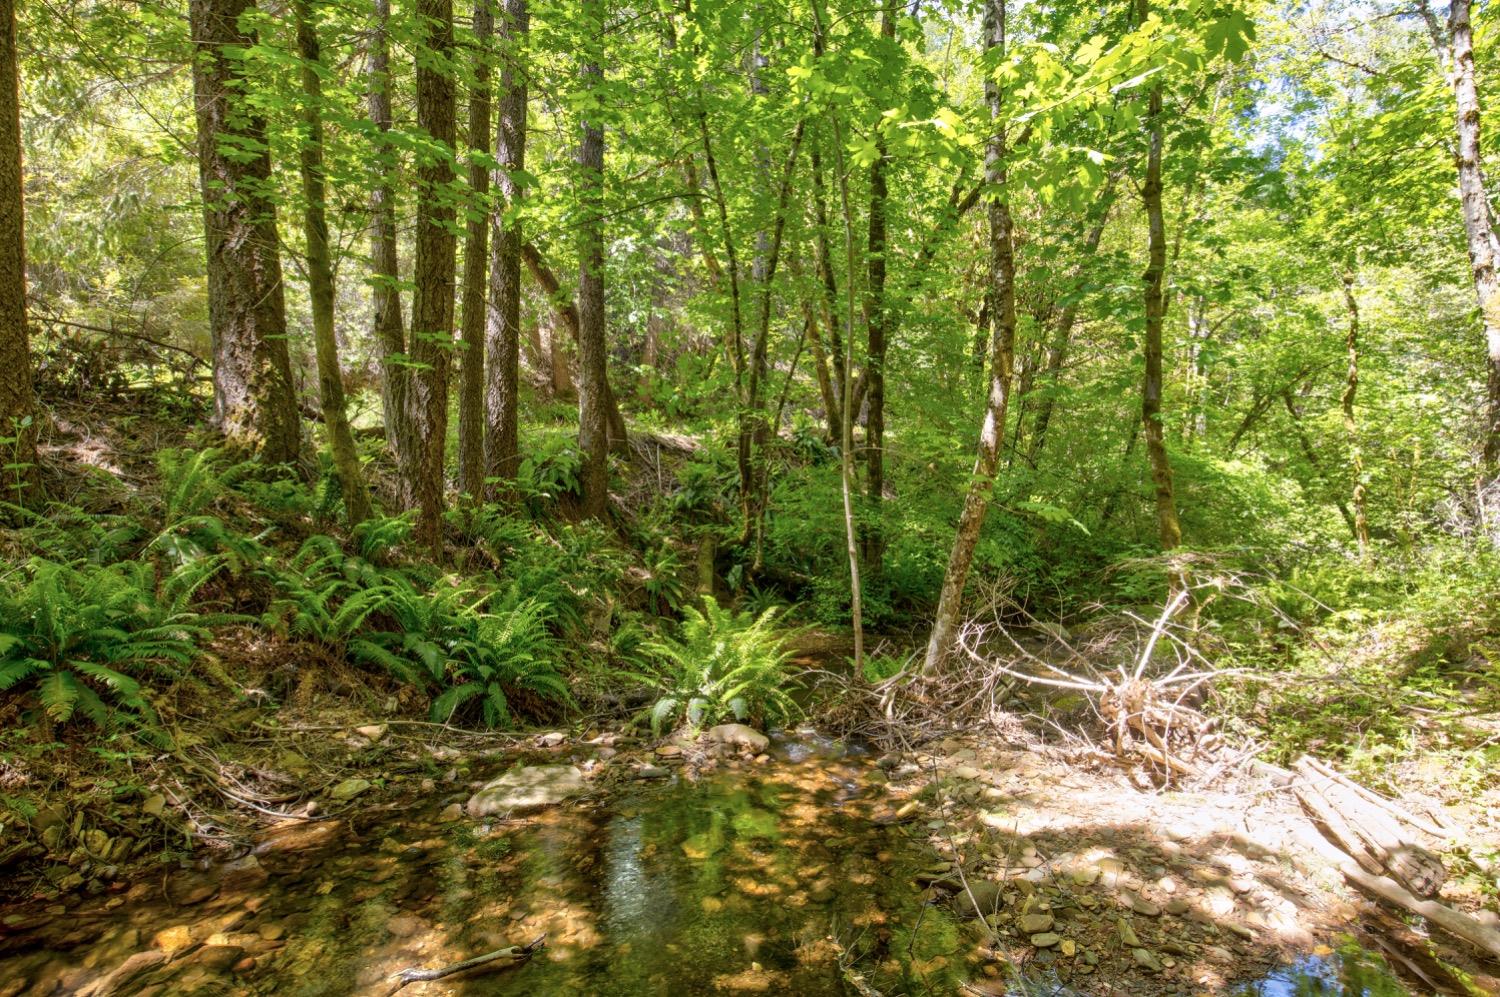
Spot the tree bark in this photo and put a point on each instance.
(320, 284)
(503, 329)
(876, 327)
(17, 402)
(1361, 522)
(385, 272)
(824, 259)
(566, 312)
(472, 332)
(1169, 531)
(1484, 247)
(593, 431)
(846, 419)
(1002, 314)
(255, 404)
(432, 304)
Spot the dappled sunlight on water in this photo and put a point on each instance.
(770, 878)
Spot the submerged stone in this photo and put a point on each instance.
(530, 788)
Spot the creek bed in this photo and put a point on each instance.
(764, 878)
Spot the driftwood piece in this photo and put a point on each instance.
(1368, 832)
(513, 954)
(1369, 795)
(1334, 824)
(1455, 923)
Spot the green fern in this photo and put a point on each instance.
(84, 636)
(723, 664)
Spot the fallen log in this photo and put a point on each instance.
(513, 954)
(1455, 923)
(1338, 829)
(1370, 833)
(1369, 795)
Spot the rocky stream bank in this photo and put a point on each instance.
(731, 863)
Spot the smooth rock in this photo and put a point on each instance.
(652, 772)
(982, 897)
(530, 788)
(348, 789)
(405, 925)
(242, 872)
(739, 736)
(451, 813)
(1146, 960)
(371, 732)
(1045, 939)
(218, 957)
(173, 939)
(1033, 924)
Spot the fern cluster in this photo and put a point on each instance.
(83, 636)
(472, 652)
(723, 664)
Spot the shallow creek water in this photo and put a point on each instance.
(752, 879)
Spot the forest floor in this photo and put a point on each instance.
(299, 826)
(837, 861)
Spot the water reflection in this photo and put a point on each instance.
(1350, 971)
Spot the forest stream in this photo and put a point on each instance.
(785, 874)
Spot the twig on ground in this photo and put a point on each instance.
(516, 954)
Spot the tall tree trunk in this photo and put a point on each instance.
(824, 260)
(1002, 315)
(385, 271)
(846, 420)
(1361, 521)
(1062, 333)
(17, 403)
(1484, 247)
(320, 285)
(876, 327)
(755, 432)
(1168, 530)
(1200, 331)
(593, 431)
(566, 312)
(812, 314)
(255, 403)
(502, 454)
(559, 363)
(471, 416)
(431, 347)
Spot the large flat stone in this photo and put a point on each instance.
(529, 788)
(739, 736)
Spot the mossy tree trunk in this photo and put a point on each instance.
(503, 325)
(320, 273)
(431, 346)
(255, 404)
(17, 403)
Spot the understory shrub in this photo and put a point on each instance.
(722, 664)
(85, 638)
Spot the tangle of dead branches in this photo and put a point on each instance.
(1143, 678)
